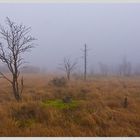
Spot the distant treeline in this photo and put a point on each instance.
(27, 69)
(123, 69)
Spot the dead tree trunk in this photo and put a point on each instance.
(15, 87)
(125, 102)
(68, 75)
(85, 61)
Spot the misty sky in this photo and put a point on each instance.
(111, 31)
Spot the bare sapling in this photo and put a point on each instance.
(15, 42)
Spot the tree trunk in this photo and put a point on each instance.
(68, 76)
(16, 89)
(125, 102)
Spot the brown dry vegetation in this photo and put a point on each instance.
(100, 110)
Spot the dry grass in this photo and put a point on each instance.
(99, 112)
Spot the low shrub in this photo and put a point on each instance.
(58, 82)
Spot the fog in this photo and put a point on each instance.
(111, 32)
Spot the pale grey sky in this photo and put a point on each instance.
(109, 30)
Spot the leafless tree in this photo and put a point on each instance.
(68, 66)
(137, 69)
(104, 69)
(125, 68)
(16, 41)
(85, 61)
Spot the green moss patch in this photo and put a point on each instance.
(59, 104)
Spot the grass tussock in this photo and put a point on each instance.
(96, 108)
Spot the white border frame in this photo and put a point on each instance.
(69, 1)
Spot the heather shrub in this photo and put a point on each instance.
(58, 82)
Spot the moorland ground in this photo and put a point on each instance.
(96, 107)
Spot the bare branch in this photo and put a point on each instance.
(3, 76)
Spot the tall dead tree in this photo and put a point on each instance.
(85, 62)
(104, 69)
(68, 66)
(85, 55)
(125, 68)
(16, 41)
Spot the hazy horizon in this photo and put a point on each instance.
(111, 32)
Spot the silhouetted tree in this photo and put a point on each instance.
(68, 67)
(85, 61)
(104, 69)
(16, 41)
(125, 68)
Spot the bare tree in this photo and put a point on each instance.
(85, 61)
(68, 67)
(137, 69)
(104, 69)
(16, 41)
(125, 68)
